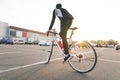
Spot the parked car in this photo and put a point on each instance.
(9, 41)
(35, 42)
(98, 45)
(3, 41)
(6, 41)
(117, 47)
(44, 43)
(29, 42)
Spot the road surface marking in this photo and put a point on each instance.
(9, 52)
(42, 62)
(29, 65)
(1, 53)
(107, 60)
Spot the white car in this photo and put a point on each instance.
(117, 47)
(44, 43)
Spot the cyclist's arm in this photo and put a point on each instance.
(53, 20)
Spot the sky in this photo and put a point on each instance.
(96, 19)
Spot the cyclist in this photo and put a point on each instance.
(65, 22)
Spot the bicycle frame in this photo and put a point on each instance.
(56, 41)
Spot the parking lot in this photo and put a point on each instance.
(27, 62)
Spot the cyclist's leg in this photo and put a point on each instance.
(63, 33)
(65, 24)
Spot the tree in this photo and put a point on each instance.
(102, 42)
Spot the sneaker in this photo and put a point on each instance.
(67, 58)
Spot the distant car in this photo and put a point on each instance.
(9, 42)
(98, 45)
(3, 41)
(117, 47)
(35, 42)
(6, 41)
(44, 43)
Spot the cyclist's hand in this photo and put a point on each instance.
(48, 33)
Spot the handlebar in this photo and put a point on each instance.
(52, 33)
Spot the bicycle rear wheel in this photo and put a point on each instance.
(84, 57)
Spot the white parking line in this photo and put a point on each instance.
(1, 53)
(107, 60)
(24, 66)
(10, 52)
(42, 62)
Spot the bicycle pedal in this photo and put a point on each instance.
(49, 51)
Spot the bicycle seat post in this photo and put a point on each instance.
(74, 28)
(71, 34)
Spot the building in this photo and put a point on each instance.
(20, 35)
(4, 30)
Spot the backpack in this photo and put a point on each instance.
(66, 14)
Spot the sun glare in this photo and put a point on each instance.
(80, 35)
(77, 36)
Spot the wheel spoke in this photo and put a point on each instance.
(84, 59)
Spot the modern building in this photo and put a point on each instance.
(4, 30)
(20, 35)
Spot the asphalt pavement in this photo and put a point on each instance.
(27, 62)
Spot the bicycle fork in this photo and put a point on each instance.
(51, 51)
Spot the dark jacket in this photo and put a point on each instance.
(65, 14)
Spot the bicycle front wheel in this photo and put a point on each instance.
(84, 57)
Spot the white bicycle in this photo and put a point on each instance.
(84, 57)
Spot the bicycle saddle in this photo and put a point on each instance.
(73, 28)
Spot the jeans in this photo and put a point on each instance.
(64, 26)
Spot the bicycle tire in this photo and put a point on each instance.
(84, 57)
